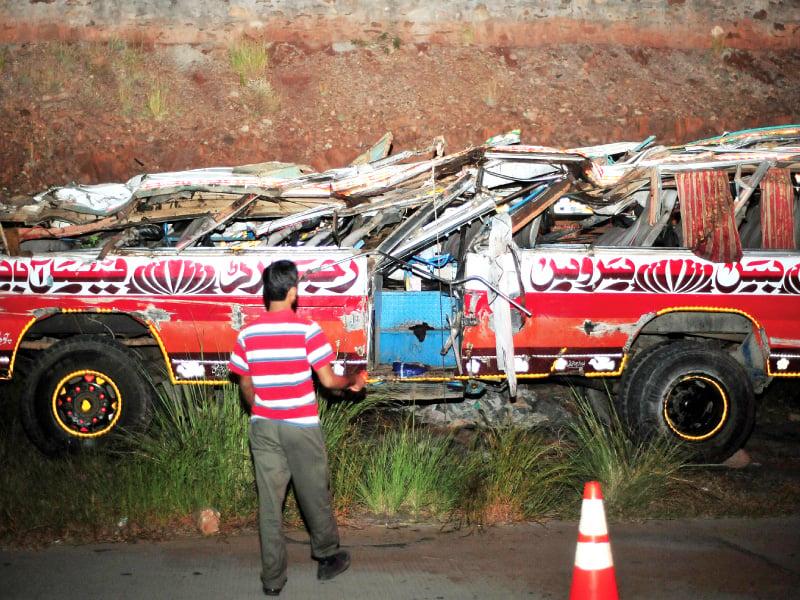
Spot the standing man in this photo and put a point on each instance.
(273, 359)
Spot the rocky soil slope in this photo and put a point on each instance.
(94, 112)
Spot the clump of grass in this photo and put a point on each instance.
(262, 96)
(383, 42)
(136, 86)
(249, 60)
(409, 470)
(57, 67)
(521, 474)
(467, 35)
(341, 422)
(633, 474)
(125, 95)
(196, 455)
(157, 101)
(67, 55)
(491, 93)
(116, 45)
(50, 68)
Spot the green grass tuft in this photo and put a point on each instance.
(341, 421)
(633, 474)
(196, 454)
(262, 96)
(66, 54)
(521, 474)
(409, 470)
(116, 45)
(157, 101)
(249, 60)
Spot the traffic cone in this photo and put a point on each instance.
(593, 577)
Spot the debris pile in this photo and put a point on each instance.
(714, 196)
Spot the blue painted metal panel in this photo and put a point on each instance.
(401, 310)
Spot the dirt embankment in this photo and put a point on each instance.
(93, 112)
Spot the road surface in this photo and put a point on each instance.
(683, 559)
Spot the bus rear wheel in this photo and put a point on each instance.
(692, 392)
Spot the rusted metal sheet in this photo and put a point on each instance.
(777, 210)
(707, 219)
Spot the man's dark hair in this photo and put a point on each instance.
(279, 278)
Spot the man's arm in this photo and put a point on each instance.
(354, 383)
(248, 391)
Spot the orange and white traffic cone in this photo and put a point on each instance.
(593, 577)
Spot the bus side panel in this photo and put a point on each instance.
(586, 309)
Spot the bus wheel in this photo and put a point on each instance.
(82, 392)
(691, 392)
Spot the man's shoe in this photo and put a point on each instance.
(331, 566)
(268, 591)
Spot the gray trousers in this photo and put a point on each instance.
(284, 452)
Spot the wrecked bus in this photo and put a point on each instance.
(671, 273)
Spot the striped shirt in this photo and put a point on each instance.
(278, 352)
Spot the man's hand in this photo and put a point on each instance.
(359, 383)
(354, 383)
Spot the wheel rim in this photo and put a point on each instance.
(695, 407)
(86, 404)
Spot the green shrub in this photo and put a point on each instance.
(521, 474)
(347, 452)
(249, 60)
(157, 101)
(409, 470)
(633, 474)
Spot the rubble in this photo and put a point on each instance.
(207, 521)
(543, 407)
(740, 459)
(395, 205)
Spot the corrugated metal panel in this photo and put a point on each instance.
(707, 219)
(777, 210)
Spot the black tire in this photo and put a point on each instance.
(692, 392)
(82, 392)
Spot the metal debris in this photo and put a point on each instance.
(398, 205)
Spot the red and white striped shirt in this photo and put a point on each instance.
(278, 351)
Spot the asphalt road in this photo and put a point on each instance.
(686, 559)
